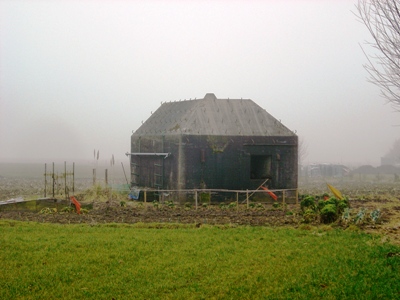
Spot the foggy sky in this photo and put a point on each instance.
(82, 75)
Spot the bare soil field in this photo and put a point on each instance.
(368, 193)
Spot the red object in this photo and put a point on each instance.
(275, 197)
(77, 204)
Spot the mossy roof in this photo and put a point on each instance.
(212, 116)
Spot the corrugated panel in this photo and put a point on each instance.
(212, 116)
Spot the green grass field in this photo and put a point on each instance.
(167, 261)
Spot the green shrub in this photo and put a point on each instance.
(309, 216)
(308, 203)
(332, 200)
(341, 206)
(321, 204)
(328, 213)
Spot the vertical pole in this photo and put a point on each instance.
(195, 198)
(73, 178)
(45, 179)
(106, 177)
(145, 196)
(94, 176)
(237, 201)
(53, 179)
(247, 198)
(57, 185)
(297, 196)
(283, 200)
(65, 180)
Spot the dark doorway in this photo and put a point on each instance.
(260, 166)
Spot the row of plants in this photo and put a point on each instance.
(205, 205)
(327, 210)
(64, 210)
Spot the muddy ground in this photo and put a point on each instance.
(133, 213)
(367, 193)
(112, 212)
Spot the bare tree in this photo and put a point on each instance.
(382, 18)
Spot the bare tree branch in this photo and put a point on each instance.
(382, 19)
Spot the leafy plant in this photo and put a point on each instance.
(232, 205)
(328, 213)
(309, 216)
(346, 217)
(170, 204)
(359, 219)
(307, 203)
(155, 204)
(276, 205)
(222, 205)
(321, 204)
(259, 206)
(48, 210)
(375, 215)
(68, 209)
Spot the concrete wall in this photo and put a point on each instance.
(218, 162)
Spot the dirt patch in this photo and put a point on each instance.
(112, 213)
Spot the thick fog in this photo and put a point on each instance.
(82, 75)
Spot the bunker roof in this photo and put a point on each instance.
(212, 116)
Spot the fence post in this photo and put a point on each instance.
(195, 198)
(65, 180)
(283, 200)
(297, 196)
(145, 196)
(53, 179)
(237, 201)
(45, 179)
(73, 178)
(247, 198)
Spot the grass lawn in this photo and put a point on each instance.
(117, 261)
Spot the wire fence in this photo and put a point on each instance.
(204, 197)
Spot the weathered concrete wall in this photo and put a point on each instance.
(220, 162)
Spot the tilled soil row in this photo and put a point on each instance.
(132, 215)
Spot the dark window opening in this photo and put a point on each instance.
(260, 167)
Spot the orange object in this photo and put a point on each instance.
(77, 204)
(275, 197)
